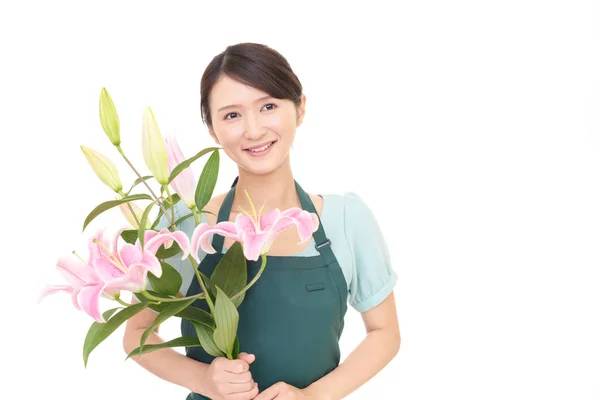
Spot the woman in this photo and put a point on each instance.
(292, 318)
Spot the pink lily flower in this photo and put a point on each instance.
(111, 268)
(255, 232)
(184, 184)
(84, 285)
(127, 267)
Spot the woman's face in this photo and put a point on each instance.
(245, 118)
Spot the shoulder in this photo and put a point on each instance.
(349, 206)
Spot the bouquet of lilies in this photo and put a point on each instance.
(129, 257)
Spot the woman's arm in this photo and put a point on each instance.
(167, 364)
(379, 347)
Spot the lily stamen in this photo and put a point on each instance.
(113, 259)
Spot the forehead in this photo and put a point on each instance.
(227, 91)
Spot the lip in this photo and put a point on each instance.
(263, 153)
(260, 145)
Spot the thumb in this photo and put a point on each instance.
(249, 358)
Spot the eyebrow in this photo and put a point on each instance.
(237, 105)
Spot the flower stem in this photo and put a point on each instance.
(258, 274)
(146, 184)
(128, 204)
(170, 201)
(201, 282)
(122, 302)
(196, 216)
(169, 300)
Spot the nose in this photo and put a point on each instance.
(254, 127)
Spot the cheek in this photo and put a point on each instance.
(280, 123)
(230, 135)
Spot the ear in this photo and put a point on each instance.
(212, 133)
(301, 110)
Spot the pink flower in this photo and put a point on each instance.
(111, 268)
(184, 184)
(127, 267)
(256, 233)
(83, 285)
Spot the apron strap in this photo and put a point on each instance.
(224, 212)
(322, 243)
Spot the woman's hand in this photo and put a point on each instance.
(283, 391)
(229, 379)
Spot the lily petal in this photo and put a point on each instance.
(180, 237)
(306, 223)
(151, 263)
(89, 300)
(268, 219)
(75, 271)
(130, 254)
(255, 245)
(202, 233)
(134, 280)
(106, 269)
(244, 223)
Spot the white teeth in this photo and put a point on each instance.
(266, 146)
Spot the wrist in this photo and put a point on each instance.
(314, 392)
(196, 373)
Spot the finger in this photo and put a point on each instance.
(236, 366)
(249, 358)
(246, 395)
(268, 394)
(244, 377)
(234, 388)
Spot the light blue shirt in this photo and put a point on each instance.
(356, 241)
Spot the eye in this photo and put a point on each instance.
(227, 115)
(273, 106)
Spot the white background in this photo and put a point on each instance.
(470, 128)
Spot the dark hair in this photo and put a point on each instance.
(252, 64)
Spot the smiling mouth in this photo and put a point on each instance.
(261, 149)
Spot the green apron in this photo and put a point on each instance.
(292, 318)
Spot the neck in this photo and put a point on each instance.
(275, 190)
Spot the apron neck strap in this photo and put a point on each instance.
(322, 243)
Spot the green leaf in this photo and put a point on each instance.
(107, 205)
(189, 161)
(208, 181)
(168, 204)
(191, 313)
(137, 182)
(236, 349)
(130, 235)
(198, 315)
(143, 221)
(169, 282)
(231, 273)
(170, 310)
(226, 321)
(172, 251)
(205, 336)
(101, 330)
(184, 341)
(183, 218)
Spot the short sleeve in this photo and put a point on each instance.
(373, 278)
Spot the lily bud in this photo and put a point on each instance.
(184, 184)
(153, 147)
(104, 168)
(109, 118)
(138, 213)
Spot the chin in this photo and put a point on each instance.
(259, 167)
